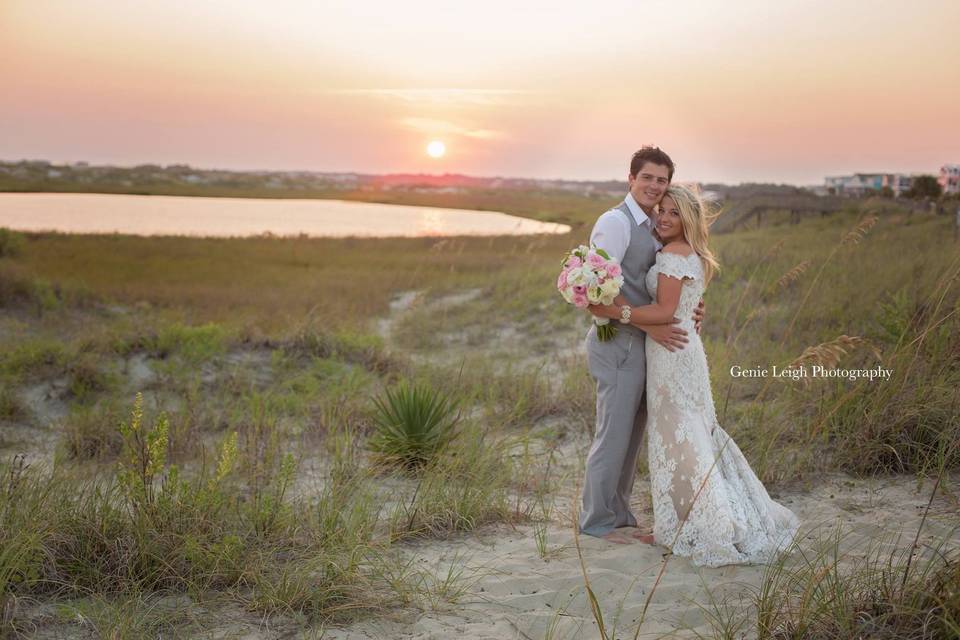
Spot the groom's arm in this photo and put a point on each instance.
(610, 234)
(669, 336)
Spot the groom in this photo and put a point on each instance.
(619, 365)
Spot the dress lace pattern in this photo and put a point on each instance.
(697, 472)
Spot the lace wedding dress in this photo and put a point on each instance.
(733, 520)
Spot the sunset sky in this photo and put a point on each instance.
(734, 91)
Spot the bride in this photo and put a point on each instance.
(708, 504)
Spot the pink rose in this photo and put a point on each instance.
(580, 289)
(562, 280)
(580, 299)
(573, 262)
(613, 269)
(596, 261)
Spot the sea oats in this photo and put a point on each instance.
(856, 235)
(793, 275)
(828, 354)
(774, 250)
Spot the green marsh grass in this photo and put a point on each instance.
(276, 339)
(465, 486)
(11, 242)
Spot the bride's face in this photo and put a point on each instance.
(669, 225)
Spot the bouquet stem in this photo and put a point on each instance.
(606, 331)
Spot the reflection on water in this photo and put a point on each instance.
(173, 215)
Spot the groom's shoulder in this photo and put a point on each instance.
(613, 212)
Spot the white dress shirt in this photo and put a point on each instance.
(612, 230)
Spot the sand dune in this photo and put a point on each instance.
(519, 595)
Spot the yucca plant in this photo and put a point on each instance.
(413, 422)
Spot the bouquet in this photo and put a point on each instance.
(590, 276)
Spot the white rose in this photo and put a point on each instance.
(578, 277)
(610, 288)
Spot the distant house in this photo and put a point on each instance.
(898, 183)
(862, 184)
(859, 184)
(950, 178)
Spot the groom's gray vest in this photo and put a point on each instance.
(637, 260)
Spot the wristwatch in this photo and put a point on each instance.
(625, 312)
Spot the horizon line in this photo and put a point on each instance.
(401, 173)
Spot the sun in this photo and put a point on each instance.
(436, 149)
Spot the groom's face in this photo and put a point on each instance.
(649, 185)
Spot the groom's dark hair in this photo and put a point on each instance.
(651, 154)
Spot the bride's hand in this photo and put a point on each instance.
(599, 310)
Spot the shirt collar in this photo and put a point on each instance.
(635, 209)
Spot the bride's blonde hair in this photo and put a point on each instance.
(696, 218)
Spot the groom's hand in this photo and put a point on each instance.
(670, 336)
(698, 316)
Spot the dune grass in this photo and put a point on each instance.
(233, 530)
(276, 340)
(829, 590)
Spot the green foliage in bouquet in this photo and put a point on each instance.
(413, 423)
(606, 331)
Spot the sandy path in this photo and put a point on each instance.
(519, 595)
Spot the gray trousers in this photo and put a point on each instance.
(619, 367)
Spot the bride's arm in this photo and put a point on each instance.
(660, 312)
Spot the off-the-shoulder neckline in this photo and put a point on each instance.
(670, 253)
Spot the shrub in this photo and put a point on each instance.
(413, 423)
(11, 242)
(356, 348)
(11, 407)
(90, 432)
(193, 344)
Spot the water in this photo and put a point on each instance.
(226, 217)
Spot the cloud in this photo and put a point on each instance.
(481, 97)
(432, 126)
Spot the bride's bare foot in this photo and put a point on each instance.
(617, 538)
(645, 538)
